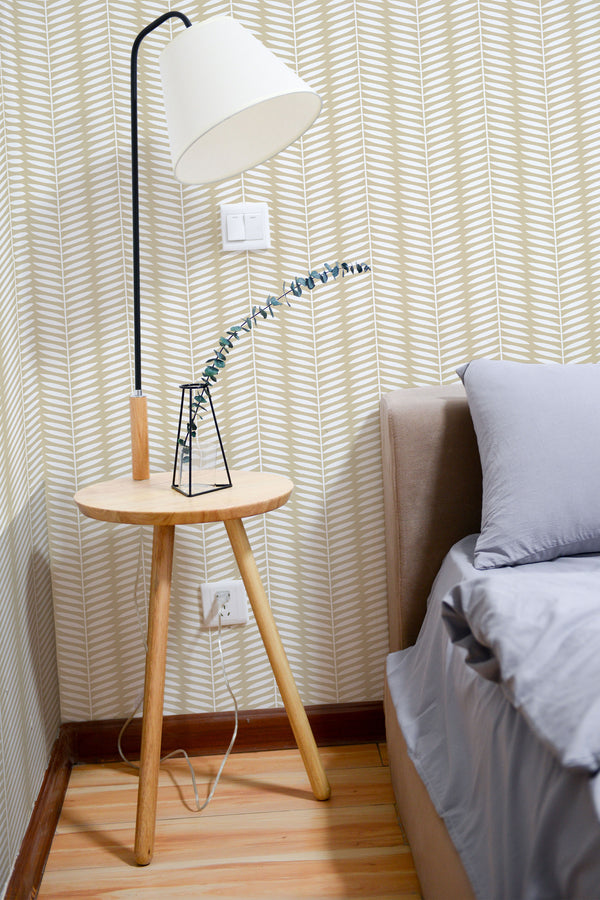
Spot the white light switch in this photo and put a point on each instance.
(245, 226)
(235, 228)
(253, 226)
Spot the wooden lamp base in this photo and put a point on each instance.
(140, 457)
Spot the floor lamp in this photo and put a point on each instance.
(230, 104)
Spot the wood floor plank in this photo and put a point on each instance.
(263, 837)
(241, 764)
(98, 807)
(230, 837)
(381, 876)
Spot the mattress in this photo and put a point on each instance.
(525, 827)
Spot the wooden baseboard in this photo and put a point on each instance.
(28, 869)
(206, 733)
(202, 734)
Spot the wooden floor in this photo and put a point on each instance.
(262, 836)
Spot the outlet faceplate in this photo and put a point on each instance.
(228, 594)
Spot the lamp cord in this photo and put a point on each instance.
(183, 753)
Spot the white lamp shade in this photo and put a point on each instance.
(230, 103)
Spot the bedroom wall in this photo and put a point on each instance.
(29, 697)
(457, 152)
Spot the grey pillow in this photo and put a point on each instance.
(538, 431)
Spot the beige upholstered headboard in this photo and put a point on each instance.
(432, 494)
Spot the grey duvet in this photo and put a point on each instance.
(535, 629)
(525, 825)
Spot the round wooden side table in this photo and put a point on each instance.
(154, 502)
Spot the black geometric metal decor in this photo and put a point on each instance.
(200, 464)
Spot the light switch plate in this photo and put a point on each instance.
(254, 221)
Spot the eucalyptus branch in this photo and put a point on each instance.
(215, 365)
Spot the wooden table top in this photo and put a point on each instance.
(154, 502)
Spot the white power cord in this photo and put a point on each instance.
(140, 699)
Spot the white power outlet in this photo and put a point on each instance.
(226, 599)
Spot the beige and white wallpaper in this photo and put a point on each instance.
(29, 700)
(458, 152)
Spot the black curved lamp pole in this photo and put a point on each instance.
(135, 194)
(138, 410)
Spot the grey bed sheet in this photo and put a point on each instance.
(525, 827)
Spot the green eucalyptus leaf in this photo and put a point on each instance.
(217, 362)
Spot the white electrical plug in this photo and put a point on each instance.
(226, 600)
(223, 605)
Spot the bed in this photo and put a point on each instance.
(491, 809)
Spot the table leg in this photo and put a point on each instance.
(158, 626)
(279, 662)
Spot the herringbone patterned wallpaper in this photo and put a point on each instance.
(29, 702)
(458, 152)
